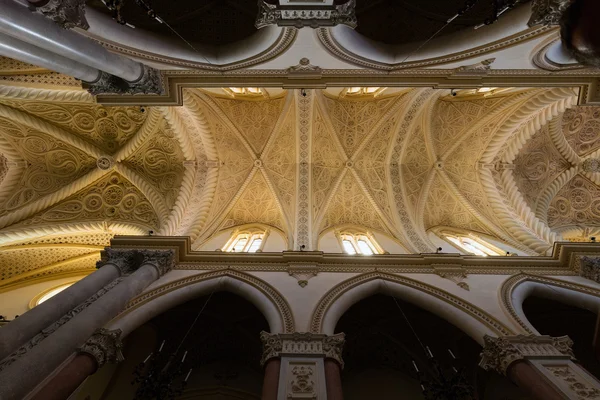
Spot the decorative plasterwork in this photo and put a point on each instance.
(312, 15)
(302, 344)
(499, 353)
(66, 13)
(303, 273)
(456, 274)
(576, 204)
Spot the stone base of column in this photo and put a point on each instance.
(333, 379)
(271, 380)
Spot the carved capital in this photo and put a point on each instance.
(124, 260)
(162, 260)
(547, 12)
(499, 353)
(105, 346)
(151, 82)
(303, 273)
(590, 268)
(309, 15)
(66, 13)
(303, 344)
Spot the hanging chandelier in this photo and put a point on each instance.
(161, 375)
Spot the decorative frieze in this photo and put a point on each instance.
(302, 344)
(104, 346)
(499, 353)
(66, 13)
(314, 14)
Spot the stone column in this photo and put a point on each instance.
(542, 366)
(309, 365)
(104, 346)
(22, 329)
(36, 360)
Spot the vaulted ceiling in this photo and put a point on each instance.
(514, 164)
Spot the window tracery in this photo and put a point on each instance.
(246, 241)
(359, 243)
(251, 92)
(363, 91)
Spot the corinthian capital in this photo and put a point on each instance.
(104, 346)
(499, 353)
(162, 260)
(590, 268)
(66, 13)
(302, 344)
(124, 260)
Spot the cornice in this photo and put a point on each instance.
(586, 81)
(560, 262)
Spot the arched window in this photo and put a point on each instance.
(48, 294)
(474, 245)
(359, 243)
(363, 91)
(245, 92)
(247, 241)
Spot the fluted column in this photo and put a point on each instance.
(309, 365)
(103, 347)
(31, 323)
(540, 365)
(39, 358)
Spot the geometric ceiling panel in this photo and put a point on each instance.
(415, 166)
(112, 198)
(350, 205)
(577, 203)
(581, 127)
(327, 161)
(353, 120)
(51, 164)
(254, 119)
(537, 165)
(280, 163)
(160, 161)
(107, 128)
(256, 205)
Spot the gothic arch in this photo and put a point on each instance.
(162, 298)
(517, 288)
(474, 321)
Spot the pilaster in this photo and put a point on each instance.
(303, 355)
(551, 358)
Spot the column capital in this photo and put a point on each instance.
(590, 268)
(499, 353)
(162, 260)
(306, 344)
(66, 13)
(104, 346)
(315, 14)
(128, 260)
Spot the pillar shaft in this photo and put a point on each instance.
(333, 380)
(522, 374)
(68, 379)
(271, 380)
(17, 21)
(22, 329)
(26, 372)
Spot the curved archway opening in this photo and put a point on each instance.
(385, 335)
(223, 350)
(556, 318)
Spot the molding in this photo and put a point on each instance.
(270, 292)
(304, 129)
(511, 284)
(176, 81)
(280, 46)
(332, 295)
(46, 95)
(336, 49)
(541, 60)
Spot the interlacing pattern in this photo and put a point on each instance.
(520, 166)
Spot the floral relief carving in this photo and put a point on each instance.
(583, 390)
(302, 382)
(581, 127)
(577, 203)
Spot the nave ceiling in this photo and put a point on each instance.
(515, 165)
